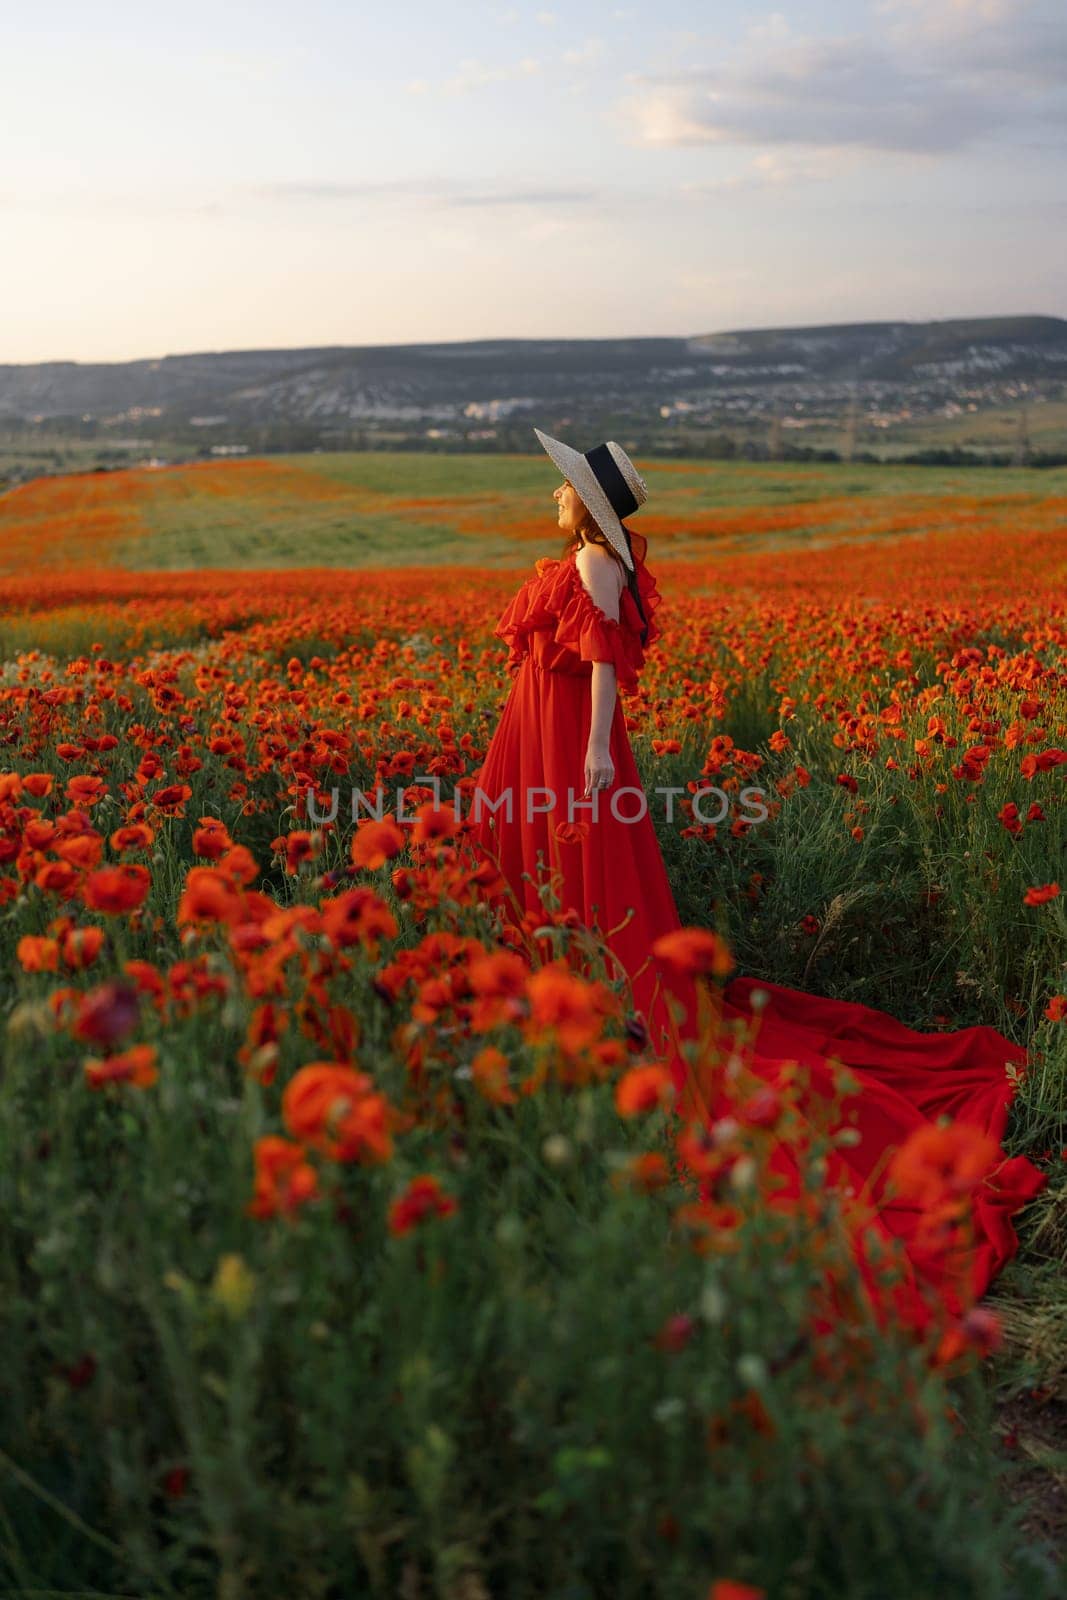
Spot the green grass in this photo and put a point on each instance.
(289, 528)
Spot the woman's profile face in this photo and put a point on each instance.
(571, 508)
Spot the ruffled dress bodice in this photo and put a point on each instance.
(556, 622)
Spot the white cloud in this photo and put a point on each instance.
(934, 76)
(447, 193)
(473, 75)
(578, 55)
(775, 170)
(949, 17)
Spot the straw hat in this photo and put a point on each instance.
(609, 484)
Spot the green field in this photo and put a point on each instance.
(398, 508)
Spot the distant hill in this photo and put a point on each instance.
(987, 389)
(404, 382)
(1027, 347)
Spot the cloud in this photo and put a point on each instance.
(474, 74)
(578, 55)
(935, 76)
(948, 18)
(772, 170)
(444, 192)
(546, 197)
(1021, 42)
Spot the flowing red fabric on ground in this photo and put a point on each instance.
(607, 867)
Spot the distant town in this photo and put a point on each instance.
(989, 391)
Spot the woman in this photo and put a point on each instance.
(559, 798)
(564, 802)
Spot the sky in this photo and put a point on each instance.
(235, 176)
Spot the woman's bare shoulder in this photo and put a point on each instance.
(601, 577)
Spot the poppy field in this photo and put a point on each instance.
(353, 1243)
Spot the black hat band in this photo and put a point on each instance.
(606, 471)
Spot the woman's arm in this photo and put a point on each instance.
(601, 579)
(599, 767)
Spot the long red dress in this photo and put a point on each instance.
(608, 868)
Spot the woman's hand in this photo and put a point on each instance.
(599, 768)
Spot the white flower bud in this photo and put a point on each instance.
(712, 1303)
(557, 1150)
(743, 1173)
(752, 1370)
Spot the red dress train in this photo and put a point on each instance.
(607, 867)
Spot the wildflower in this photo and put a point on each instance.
(233, 1286)
(422, 1199)
(358, 916)
(137, 1066)
(1056, 1010)
(557, 1150)
(433, 823)
(176, 1483)
(980, 1329)
(117, 890)
(211, 839)
(1008, 817)
(107, 1014)
(259, 1053)
(675, 1333)
(135, 836)
(82, 1373)
(81, 946)
(146, 979)
(713, 1304)
(644, 1089)
(35, 953)
(647, 1172)
(489, 1074)
(207, 897)
(85, 791)
(239, 864)
(284, 1179)
(1041, 895)
(499, 982)
(689, 951)
(942, 1161)
(562, 1003)
(338, 1111)
(1043, 762)
(170, 801)
(81, 850)
(762, 1109)
(752, 1370)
